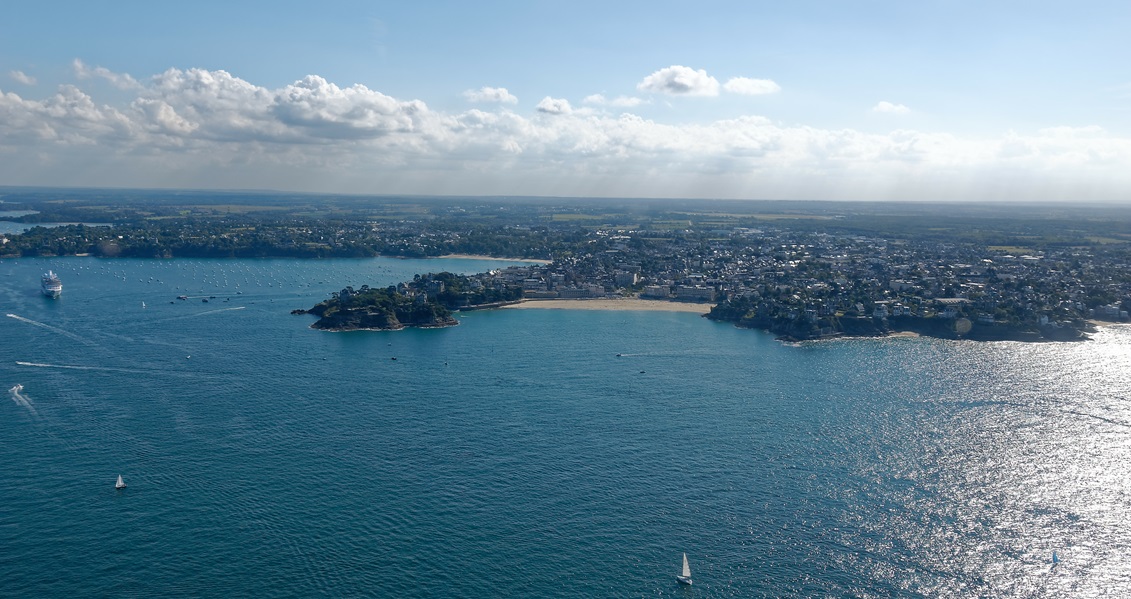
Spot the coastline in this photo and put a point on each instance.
(400, 328)
(479, 257)
(609, 304)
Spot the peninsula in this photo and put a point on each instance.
(377, 309)
(426, 302)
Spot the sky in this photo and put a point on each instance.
(930, 100)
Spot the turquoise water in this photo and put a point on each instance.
(518, 455)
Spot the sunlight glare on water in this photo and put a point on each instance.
(550, 453)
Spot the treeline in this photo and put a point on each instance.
(378, 308)
(246, 237)
(426, 301)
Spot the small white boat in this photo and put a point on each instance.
(685, 578)
(121, 484)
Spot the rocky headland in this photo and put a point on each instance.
(377, 309)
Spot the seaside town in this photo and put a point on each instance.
(815, 285)
(801, 272)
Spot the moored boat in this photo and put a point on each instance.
(51, 285)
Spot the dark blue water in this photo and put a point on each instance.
(517, 455)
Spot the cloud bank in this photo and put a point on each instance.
(202, 128)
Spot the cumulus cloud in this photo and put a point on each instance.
(329, 111)
(69, 117)
(885, 107)
(22, 77)
(751, 87)
(118, 80)
(618, 102)
(198, 127)
(219, 106)
(550, 105)
(490, 94)
(679, 80)
(160, 117)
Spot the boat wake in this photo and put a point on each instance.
(142, 371)
(22, 400)
(1100, 418)
(53, 329)
(220, 310)
(69, 367)
(205, 313)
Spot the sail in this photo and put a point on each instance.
(120, 484)
(686, 567)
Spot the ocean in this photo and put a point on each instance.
(533, 453)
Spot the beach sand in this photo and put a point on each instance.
(904, 334)
(611, 304)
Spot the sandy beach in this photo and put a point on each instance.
(904, 334)
(611, 304)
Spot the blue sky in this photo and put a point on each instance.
(933, 100)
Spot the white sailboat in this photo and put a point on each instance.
(685, 578)
(121, 484)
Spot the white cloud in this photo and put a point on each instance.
(328, 111)
(618, 102)
(679, 80)
(69, 117)
(885, 107)
(209, 128)
(218, 106)
(22, 77)
(550, 105)
(490, 94)
(118, 80)
(751, 87)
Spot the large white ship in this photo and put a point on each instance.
(52, 286)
